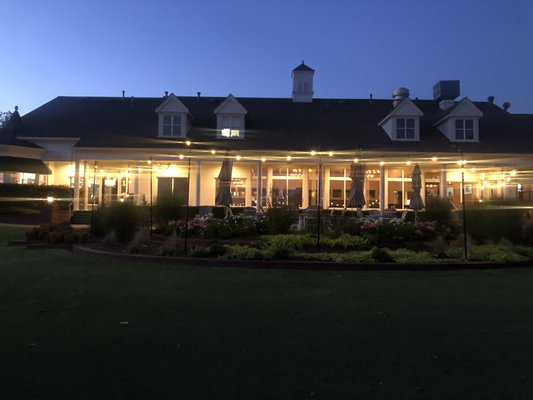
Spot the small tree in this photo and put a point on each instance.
(4, 117)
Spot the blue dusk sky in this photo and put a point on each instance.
(248, 48)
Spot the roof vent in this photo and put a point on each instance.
(399, 94)
(445, 92)
(506, 105)
(490, 99)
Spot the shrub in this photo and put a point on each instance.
(140, 241)
(438, 209)
(34, 195)
(168, 208)
(346, 241)
(527, 232)
(121, 218)
(283, 246)
(410, 256)
(172, 247)
(246, 253)
(53, 233)
(496, 253)
(279, 220)
(490, 222)
(381, 255)
(218, 229)
(355, 257)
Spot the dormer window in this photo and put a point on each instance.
(403, 122)
(230, 119)
(174, 118)
(405, 129)
(171, 125)
(461, 122)
(231, 126)
(464, 129)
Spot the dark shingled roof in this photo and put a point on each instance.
(13, 128)
(271, 124)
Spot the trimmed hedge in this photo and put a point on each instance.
(491, 222)
(33, 196)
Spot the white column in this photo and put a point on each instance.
(198, 180)
(382, 196)
(85, 186)
(136, 184)
(442, 185)
(259, 197)
(76, 200)
(305, 188)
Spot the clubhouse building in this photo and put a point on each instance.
(295, 151)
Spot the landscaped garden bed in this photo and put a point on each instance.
(123, 229)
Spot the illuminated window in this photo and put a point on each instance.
(464, 129)
(231, 126)
(405, 128)
(171, 125)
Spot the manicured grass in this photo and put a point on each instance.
(199, 333)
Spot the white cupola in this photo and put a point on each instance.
(302, 84)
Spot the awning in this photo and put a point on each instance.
(20, 164)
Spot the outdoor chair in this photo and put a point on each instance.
(399, 220)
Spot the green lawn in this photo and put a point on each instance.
(198, 333)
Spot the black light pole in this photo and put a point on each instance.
(318, 202)
(151, 200)
(188, 143)
(92, 205)
(465, 243)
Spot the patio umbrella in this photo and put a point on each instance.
(416, 199)
(356, 197)
(223, 197)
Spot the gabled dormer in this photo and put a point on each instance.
(403, 122)
(173, 118)
(461, 122)
(230, 119)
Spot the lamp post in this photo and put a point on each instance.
(188, 143)
(92, 200)
(465, 243)
(151, 200)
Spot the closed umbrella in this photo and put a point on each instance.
(356, 197)
(416, 199)
(223, 197)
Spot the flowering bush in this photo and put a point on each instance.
(398, 232)
(195, 227)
